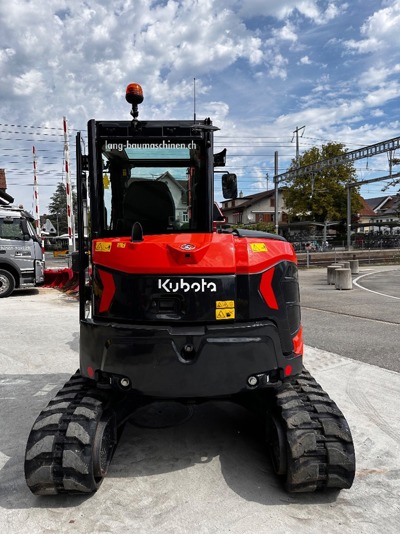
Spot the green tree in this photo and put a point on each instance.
(58, 208)
(321, 195)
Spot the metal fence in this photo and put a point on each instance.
(376, 241)
(365, 242)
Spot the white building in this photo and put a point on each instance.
(254, 208)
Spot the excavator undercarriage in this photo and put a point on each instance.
(72, 442)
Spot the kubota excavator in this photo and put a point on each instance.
(174, 307)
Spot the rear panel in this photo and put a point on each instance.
(193, 279)
(226, 303)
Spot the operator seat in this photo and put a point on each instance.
(150, 203)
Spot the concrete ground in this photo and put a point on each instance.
(210, 474)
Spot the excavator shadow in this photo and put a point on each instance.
(219, 436)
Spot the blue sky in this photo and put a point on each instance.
(262, 68)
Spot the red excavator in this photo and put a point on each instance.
(177, 308)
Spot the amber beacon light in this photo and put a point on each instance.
(134, 95)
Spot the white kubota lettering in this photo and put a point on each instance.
(173, 287)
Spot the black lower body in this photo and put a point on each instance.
(185, 361)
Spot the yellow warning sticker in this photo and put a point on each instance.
(258, 247)
(103, 246)
(227, 313)
(225, 304)
(121, 245)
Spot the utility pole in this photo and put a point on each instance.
(296, 133)
(194, 99)
(36, 195)
(68, 189)
(390, 160)
(276, 182)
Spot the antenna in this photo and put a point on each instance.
(194, 99)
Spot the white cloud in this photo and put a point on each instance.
(377, 75)
(276, 66)
(305, 60)
(382, 95)
(364, 46)
(286, 33)
(327, 114)
(6, 54)
(75, 46)
(29, 84)
(283, 9)
(380, 31)
(377, 113)
(218, 110)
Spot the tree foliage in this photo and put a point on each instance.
(321, 195)
(58, 208)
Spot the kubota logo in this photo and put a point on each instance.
(174, 286)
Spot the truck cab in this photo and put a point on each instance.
(21, 254)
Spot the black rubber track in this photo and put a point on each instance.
(319, 445)
(62, 453)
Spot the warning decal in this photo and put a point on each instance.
(258, 247)
(103, 246)
(228, 313)
(121, 245)
(225, 304)
(225, 309)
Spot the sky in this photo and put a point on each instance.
(262, 69)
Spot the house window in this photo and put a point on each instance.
(264, 217)
(185, 217)
(272, 202)
(237, 218)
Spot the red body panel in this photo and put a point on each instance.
(191, 254)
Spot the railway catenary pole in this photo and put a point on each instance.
(68, 188)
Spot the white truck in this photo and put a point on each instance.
(21, 254)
